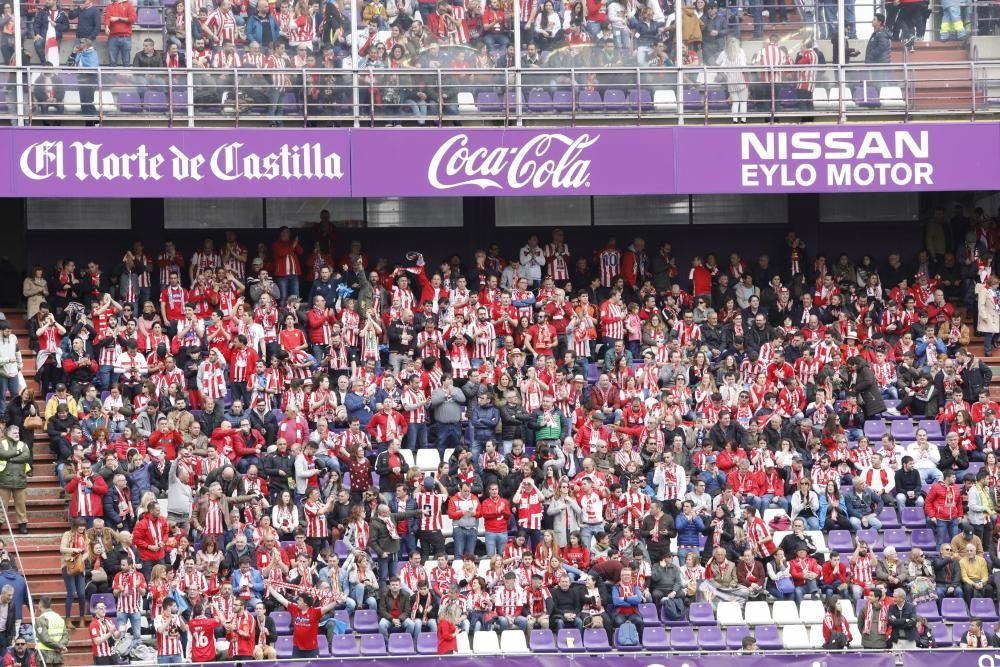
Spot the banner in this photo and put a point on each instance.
(503, 162)
(958, 657)
(435, 162)
(128, 162)
(844, 158)
(721, 659)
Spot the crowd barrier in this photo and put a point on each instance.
(509, 97)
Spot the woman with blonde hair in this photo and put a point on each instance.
(448, 629)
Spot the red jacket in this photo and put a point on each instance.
(120, 10)
(750, 484)
(495, 514)
(74, 490)
(142, 537)
(944, 502)
(798, 570)
(317, 319)
(378, 426)
(454, 513)
(168, 442)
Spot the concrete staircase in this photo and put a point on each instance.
(48, 518)
(937, 88)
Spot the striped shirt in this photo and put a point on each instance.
(130, 596)
(431, 506)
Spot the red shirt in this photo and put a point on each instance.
(203, 639)
(305, 627)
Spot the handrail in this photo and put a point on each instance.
(20, 564)
(124, 96)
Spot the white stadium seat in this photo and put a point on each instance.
(784, 612)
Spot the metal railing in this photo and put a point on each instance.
(688, 95)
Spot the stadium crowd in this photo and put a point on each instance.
(543, 440)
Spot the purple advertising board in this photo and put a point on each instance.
(449, 162)
(130, 162)
(511, 162)
(844, 158)
(958, 657)
(657, 659)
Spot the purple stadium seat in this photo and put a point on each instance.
(562, 100)
(400, 643)
(735, 635)
(942, 635)
(888, 518)
(875, 429)
(282, 622)
(109, 602)
(973, 469)
(933, 428)
(129, 101)
(155, 101)
(914, 517)
(179, 101)
(872, 537)
(641, 100)
(896, 538)
(373, 644)
(341, 549)
(322, 645)
(693, 101)
(929, 610)
(488, 101)
(649, 614)
(619, 647)
(711, 639)
(787, 98)
(541, 641)
(149, 17)
(427, 643)
(954, 609)
(655, 639)
(700, 613)
(342, 616)
(365, 621)
(983, 609)
(682, 639)
(718, 99)
(840, 540)
(569, 640)
(768, 638)
(344, 646)
(903, 430)
(283, 647)
(589, 100)
(924, 538)
(539, 101)
(614, 100)
(595, 640)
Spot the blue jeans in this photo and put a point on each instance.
(812, 522)
(805, 589)
(8, 384)
(930, 475)
(496, 41)
(872, 523)
(416, 437)
(465, 541)
(945, 529)
(288, 285)
(76, 587)
(519, 622)
(448, 435)
(901, 502)
(767, 499)
(987, 337)
(587, 532)
(495, 542)
(169, 659)
(430, 625)
(756, 12)
(105, 376)
(134, 620)
(119, 51)
(385, 625)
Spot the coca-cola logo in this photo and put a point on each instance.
(550, 160)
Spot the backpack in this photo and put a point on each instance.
(627, 635)
(143, 653)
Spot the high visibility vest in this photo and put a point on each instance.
(57, 628)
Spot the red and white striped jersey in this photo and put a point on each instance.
(591, 508)
(213, 523)
(349, 440)
(223, 24)
(431, 506)
(350, 324)
(609, 262)
(612, 320)
(213, 380)
(509, 601)
(417, 415)
(861, 572)
(484, 339)
(430, 342)
(268, 320)
(529, 510)
(315, 520)
(168, 638)
(223, 60)
(169, 263)
(205, 261)
(278, 80)
(98, 628)
(557, 261)
(254, 60)
(130, 595)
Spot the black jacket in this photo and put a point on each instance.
(903, 622)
